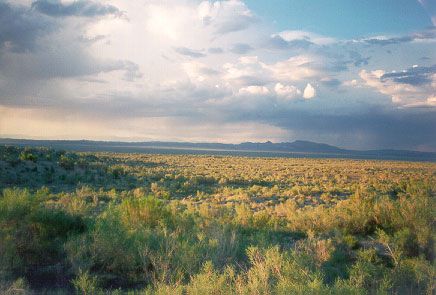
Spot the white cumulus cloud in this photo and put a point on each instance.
(254, 90)
(287, 91)
(225, 16)
(309, 91)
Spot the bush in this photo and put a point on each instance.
(67, 161)
(86, 284)
(32, 237)
(27, 155)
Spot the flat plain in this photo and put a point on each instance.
(105, 222)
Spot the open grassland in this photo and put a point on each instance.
(182, 224)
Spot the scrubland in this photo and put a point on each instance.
(106, 223)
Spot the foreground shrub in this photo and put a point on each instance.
(141, 241)
(32, 237)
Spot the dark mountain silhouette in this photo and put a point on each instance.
(298, 148)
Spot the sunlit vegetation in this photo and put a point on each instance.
(101, 223)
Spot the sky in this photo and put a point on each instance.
(355, 74)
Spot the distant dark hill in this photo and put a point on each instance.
(298, 148)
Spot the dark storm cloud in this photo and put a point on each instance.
(374, 128)
(414, 76)
(82, 8)
(35, 48)
(189, 52)
(20, 28)
(241, 48)
(371, 128)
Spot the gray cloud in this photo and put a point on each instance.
(370, 128)
(83, 8)
(358, 60)
(424, 35)
(131, 70)
(276, 41)
(414, 76)
(241, 48)
(208, 71)
(331, 82)
(238, 23)
(72, 61)
(215, 50)
(332, 65)
(91, 40)
(373, 128)
(189, 52)
(35, 47)
(20, 28)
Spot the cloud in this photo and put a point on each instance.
(189, 52)
(225, 16)
(90, 40)
(20, 28)
(287, 91)
(247, 70)
(72, 61)
(241, 48)
(169, 72)
(363, 129)
(414, 76)
(429, 34)
(277, 41)
(215, 50)
(45, 62)
(357, 59)
(309, 91)
(299, 39)
(250, 70)
(40, 123)
(254, 90)
(83, 8)
(131, 70)
(298, 68)
(199, 72)
(330, 82)
(412, 87)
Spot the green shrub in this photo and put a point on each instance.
(67, 161)
(86, 284)
(32, 237)
(27, 155)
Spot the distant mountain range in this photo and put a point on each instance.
(298, 148)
